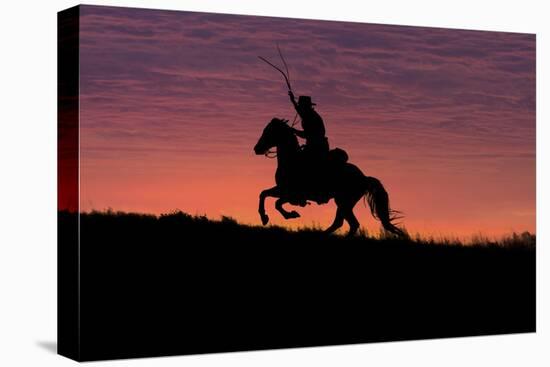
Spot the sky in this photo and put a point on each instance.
(172, 103)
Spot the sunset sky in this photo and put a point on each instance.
(172, 103)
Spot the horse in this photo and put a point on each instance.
(346, 183)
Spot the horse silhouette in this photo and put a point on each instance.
(344, 182)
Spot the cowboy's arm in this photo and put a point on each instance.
(300, 133)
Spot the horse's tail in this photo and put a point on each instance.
(379, 203)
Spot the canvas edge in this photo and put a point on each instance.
(68, 287)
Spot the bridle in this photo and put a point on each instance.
(273, 153)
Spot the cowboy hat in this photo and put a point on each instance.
(305, 101)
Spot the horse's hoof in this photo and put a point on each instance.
(293, 214)
(351, 234)
(265, 219)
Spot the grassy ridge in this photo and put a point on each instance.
(524, 240)
(222, 286)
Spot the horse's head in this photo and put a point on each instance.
(274, 132)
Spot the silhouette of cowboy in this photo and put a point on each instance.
(313, 128)
(316, 149)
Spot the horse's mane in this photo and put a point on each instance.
(278, 121)
(283, 124)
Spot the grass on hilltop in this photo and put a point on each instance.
(228, 224)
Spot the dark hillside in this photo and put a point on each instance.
(179, 284)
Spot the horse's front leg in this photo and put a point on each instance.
(272, 192)
(287, 215)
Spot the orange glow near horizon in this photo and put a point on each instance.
(172, 104)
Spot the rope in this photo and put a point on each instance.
(280, 71)
(270, 153)
(294, 121)
(285, 75)
(286, 66)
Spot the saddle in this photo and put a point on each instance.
(315, 181)
(337, 157)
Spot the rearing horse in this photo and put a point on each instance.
(347, 185)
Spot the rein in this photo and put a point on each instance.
(271, 154)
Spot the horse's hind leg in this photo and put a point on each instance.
(287, 215)
(352, 221)
(338, 221)
(345, 207)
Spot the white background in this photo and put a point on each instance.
(28, 183)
